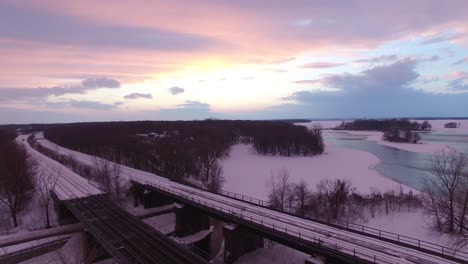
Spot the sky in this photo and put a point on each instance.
(87, 60)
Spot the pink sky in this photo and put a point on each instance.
(236, 59)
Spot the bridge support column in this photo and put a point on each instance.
(238, 241)
(149, 198)
(64, 216)
(189, 220)
(92, 250)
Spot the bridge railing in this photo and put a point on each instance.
(366, 230)
(397, 238)
(321, 241)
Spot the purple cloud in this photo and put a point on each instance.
(391, 76)
(81, 104)
(377, 59)
(138, 95)
(40, 26)
(94, 83)
(22, 94)
(381, 91)
(176, 90)
(461, 61)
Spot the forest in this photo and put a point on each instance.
(180, 149)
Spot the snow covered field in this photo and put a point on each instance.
(248, 173)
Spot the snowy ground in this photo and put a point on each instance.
(273, 254)
(164, 223)
(344, 240)
(248, 173)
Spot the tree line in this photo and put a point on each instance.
(17, 172)
(334, 200)
(182, 149)
(395, 130)
(385, 125)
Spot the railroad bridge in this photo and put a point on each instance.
(111, 231)
(247, 222)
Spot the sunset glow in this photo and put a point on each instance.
(120, 60)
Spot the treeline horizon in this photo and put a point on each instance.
(402, 124)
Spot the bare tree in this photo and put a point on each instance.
(45, 184)
(303, 196)
(16, 173)
(102, 174)
(116, 171)
(278, 189)
(447, 192)
(334, 194)
(215, 178)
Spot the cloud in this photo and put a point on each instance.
(313, 81)
(82, 104)
(176, 90)
(381, 91)
(441, 37)
(194, 104)
(321, 65)
(275, 70)
(377, 59)
(460, 84)
(188, 110)
(94, 83)
(24, 94)
(461, 61)
(301, 96)
(47, 27)
(138, 95)
(393, 76)
(24, 116)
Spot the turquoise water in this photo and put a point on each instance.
(408, 168)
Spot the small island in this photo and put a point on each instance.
(452, 125)
(394, 130)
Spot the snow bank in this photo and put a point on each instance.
(412, 223)
(164, 223)
(273, 254)
(248, 173)
(190, 239)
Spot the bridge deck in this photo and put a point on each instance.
(124, 236)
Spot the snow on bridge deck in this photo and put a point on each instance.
(365, 247)
(69, 185)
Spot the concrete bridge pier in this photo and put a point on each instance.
(92, 251)
(149, 198)
(64, 216)
(189, 220)
(238, 241)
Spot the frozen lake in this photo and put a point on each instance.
(405, 167)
